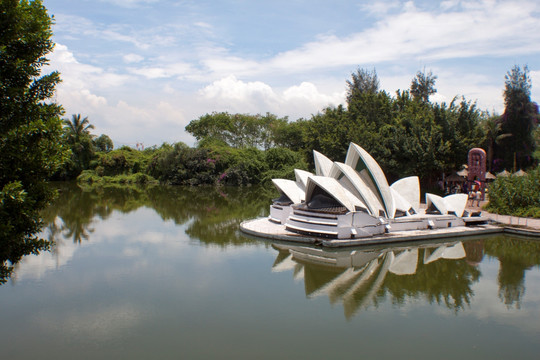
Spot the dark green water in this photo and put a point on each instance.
(163, 273)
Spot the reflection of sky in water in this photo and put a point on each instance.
(139, 287)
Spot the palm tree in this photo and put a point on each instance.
(77, 128)
(78, 136)
(492, 128)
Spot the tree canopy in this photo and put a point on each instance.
(80, 140)
(30, 125)
(423, 85)
(519, 120)
(237, 130)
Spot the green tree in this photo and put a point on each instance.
(236, 130)
(291, 135)
(30, 127)
(413, 143)
(77, 129)
(520, 118)
(423, 85)
(492, 137)
(79, 138)
(103, 143)
(363, 81)
(460, 125)
(328, 132)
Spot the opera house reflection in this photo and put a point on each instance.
(439, 272)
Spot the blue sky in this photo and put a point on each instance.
(141, 70)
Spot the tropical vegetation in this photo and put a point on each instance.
(30, 127)
(516, 195)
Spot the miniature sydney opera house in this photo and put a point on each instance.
(353, 200)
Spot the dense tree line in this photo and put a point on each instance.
(405, 133)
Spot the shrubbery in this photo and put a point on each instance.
(122, 161)
(222, 165)
(91, 177)
(516, 195)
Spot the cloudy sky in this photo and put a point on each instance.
(141, 70)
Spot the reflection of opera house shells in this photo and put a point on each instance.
(354, 278)
(352, 200)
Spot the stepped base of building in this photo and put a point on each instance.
(265, 228)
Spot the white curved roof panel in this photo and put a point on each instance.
(400, 202)
(437, 201)
(334, 189)
(360, 160)
(291, 189)
(322, 164)
(409, 188)
(357, 186)
(301, 177)
(456, 203)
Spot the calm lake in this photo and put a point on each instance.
(164, 273)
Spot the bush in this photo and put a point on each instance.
(123, 161)
(516, 195)
(92, 178)
(222, 165)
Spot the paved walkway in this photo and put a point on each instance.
(513, 221)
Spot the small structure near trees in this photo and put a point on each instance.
(476, 162)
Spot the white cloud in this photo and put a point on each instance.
(307, 96)
(203, 24)
(151, 122)
(165, 71)
(126, 120)
(132, 58)
(130, 3)
(484, 29)
(77, 76)
(230, 88)
(379, 8)
(234, 95)
(447, 5)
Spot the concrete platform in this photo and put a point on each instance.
(264, 228)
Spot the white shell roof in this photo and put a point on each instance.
(401, 203)
(322, 164)
(360, 160)
(333, 188)
(301, 177)
(437, 201)
(409, 188)
(456, 203)
(360, 189)
(291, 189)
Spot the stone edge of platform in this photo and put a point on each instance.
(468, 231)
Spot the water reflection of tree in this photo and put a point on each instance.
(445, 281)
(75, 209)
(217, 218)
(213, 214)
(12, 252)
(515, 256)
(440, 273)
